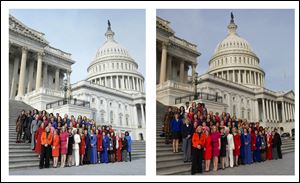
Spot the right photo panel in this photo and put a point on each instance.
(225, 101)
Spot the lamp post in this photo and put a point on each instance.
(65, 89)
(196, 82)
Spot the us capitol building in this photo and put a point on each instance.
(113, 93)
(234, 82)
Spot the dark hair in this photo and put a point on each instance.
(126, 133)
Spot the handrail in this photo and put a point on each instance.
(68, 101)
(199, 95)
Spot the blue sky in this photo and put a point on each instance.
(269, 32)
(81, 32)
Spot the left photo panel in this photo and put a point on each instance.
(77, 102)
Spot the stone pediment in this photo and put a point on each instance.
(290, 94)
(17, 26)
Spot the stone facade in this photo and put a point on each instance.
(235, 75)
(36, 70)
(175, 56)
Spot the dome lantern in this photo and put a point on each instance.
(232, 26)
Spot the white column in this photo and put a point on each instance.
(169, 67)
(227, 75)
(105, 82)
(39, 71)
(289, 111)
(163, 64)
(45, 77)
(57, 79)
(133, 82)
(239, 77)
(117, 82)
(283, 111)
(15, 77)
(273, 110)
(251, 78)
(30, 77)
(135, 116)
(276, 111)
(181, 72)
(138, 84)
(69, 84)
(143, 115)
(256, 110)
(233, 75)
(267, 104)
(22, 72)
(111, 82)
(193, 71)
(264, 110)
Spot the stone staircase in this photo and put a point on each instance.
(21, 156)
(168, 163)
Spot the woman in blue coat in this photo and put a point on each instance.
(246, 146)
(105, 144)
(93, 145)
(87, 156)
(176, 125)
(128, 138)
(257, 157)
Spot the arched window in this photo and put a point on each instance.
(127, 120)
(120, 118)
(234, 110)
(111, 117)
(102, 116)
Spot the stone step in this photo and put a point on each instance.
(25, 154)
(175, 171)
(18, 150)
(24, 165)
(168, 156)
(18, 161)
(163, 166)
(288, 151)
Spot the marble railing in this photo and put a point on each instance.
(46, 91)
(175, 84)
(58, 52)
(183, 43)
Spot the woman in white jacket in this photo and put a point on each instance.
(230, 148)
(76, 146)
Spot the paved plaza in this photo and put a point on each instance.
(136, 167)
(285, 166)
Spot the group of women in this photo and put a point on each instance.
(220, 138)
(71, 142)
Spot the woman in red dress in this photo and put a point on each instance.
(207, 149)
(99, 145)
(82, 146)
(63, 137)
(55, 148)
(269, 146)
(237, 145)
(118, 148)
(38, 137)
(190, 115)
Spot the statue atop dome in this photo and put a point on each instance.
(109, 33)
(109, 25)
(232, 18)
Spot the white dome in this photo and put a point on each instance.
(234, 57)
(113, 62)
(111, 48)
(233, 42)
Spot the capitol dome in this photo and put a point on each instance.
(234, 60)
(113, 67)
